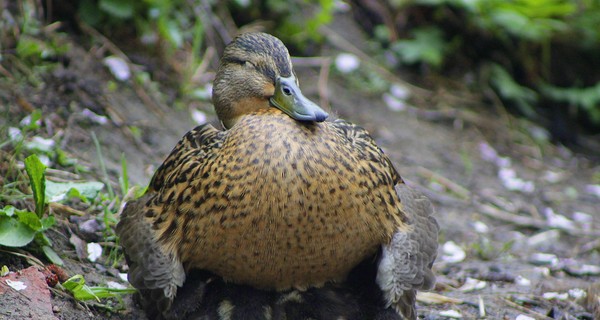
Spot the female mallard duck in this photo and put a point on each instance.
(281, 200)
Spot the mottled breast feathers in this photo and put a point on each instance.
(264, 211)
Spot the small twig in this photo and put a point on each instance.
(459, 190)
(523, 221)
(5, 73)
(436, 298)
(62, 174)
(324, 64)
(27, 256)
(209, 53)
(525, 310)
(323, 80)
(61, 208)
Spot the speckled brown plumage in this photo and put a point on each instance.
(272, 202)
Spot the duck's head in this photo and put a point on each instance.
(256, 73)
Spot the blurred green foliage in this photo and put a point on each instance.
(528, 49)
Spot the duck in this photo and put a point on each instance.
(280, 201)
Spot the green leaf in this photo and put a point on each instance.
(29, 47)
(8, 211)
(117, 8)
(509, 89)
(586, 98)
(30, 219)
(4, 271)
(37, 178)
(59, 191)
(428, 46)
(76, 285)
(52, 256)
(14, 233)
(63, 159)
(33, 122)
(48, 222)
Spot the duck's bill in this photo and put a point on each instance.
(289, 99)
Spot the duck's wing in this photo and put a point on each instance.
(154, 268)
(405, 262)
(195, 148)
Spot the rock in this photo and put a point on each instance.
(31, 301)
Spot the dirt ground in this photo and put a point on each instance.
(502, 197)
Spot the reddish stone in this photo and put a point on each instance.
(33, 302)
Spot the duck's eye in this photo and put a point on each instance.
(286, 90)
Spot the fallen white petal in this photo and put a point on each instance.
(399, 91)
(393, 103)
(555, 295)
(48, 143)
(118, 67)
(583, 218)
(198, 116)
(17, 285)
(15, 134)
(503, 162)
(544, 259)
(522, 281)
(487, 152)
(543, 271)
(115, 285)
(451, 314)
(593, 189)
(553, 177)
(453, 253)
(524, 317)
(123, 276)
(94, 117)
(94, 251)
(346, 62)
(480, 227)
(472, 285)
(44, 159)
(557, 220)
(577, 293)
(543, 237)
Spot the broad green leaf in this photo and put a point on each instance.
(118, 8)
(52, 256)
(14, 233)
(30, 219)
(36, 172)
(59, 191)
(428, 46)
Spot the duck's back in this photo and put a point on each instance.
(276, 203)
